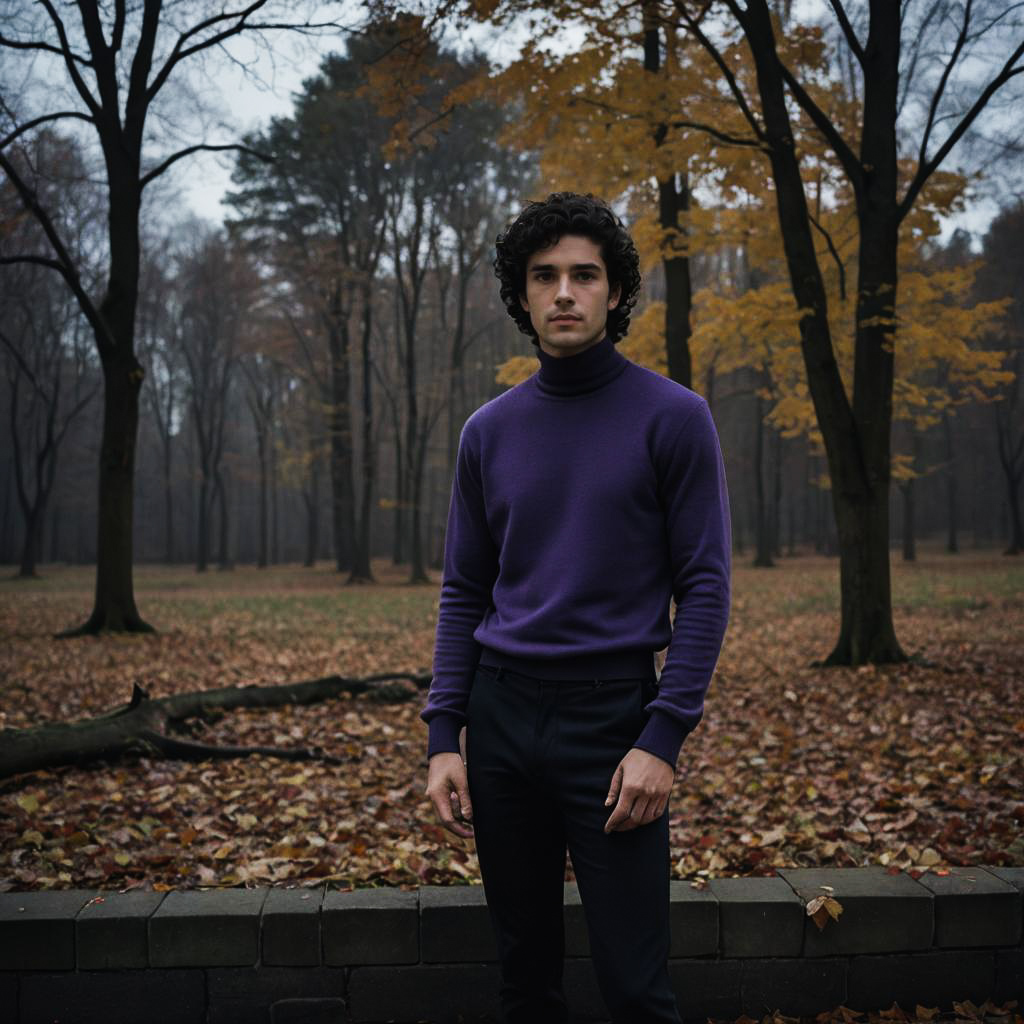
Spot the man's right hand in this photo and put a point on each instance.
(448, 788)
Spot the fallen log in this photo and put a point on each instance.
(142, 724)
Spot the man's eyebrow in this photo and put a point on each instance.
(575, 266)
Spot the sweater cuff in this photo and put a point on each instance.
(663, 736)
(443, 735)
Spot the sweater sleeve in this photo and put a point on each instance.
(470, 570)
(695, 498)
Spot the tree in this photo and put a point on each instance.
(48, 369)
(320, 206)
(116, 60)
(1004, 276)
(855, 425)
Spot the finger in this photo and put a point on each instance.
(616, 785)
(618, 816)
(456, 827)
(643, 811)
(464, 803)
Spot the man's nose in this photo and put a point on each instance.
(564, 292)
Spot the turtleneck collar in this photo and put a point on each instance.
(585, 371)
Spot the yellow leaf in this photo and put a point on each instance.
(27, 802)
(123, 859)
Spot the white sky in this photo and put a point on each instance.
(246, 102)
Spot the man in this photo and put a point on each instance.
(583, 498)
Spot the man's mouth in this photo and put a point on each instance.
(564, 319)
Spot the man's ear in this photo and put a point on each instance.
(523, 302)
(613, 296)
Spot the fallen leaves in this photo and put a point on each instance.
(914, 766)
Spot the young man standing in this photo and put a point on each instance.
(583, 499)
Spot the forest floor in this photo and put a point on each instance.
(918, 766)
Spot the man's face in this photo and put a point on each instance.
(567, 295)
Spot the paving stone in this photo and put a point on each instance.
(1015, 876)
(114, 997)
(37, 929)
(405, 993)
(211, 928)
(793, 986)
(1010, 976)
(757, 917)
(113, 933)
(931, 979)
(882, 912)
(370, 926)
(693, 920)
(243, 995)
(290, 927)
(309, 1011)
(973, 907)
(707, 988)
(455, 924)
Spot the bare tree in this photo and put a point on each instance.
(116, 60)
(48, 371)
(888, 54)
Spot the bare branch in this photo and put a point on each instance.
(835, 255)
(174, 157)
(717, 57)
(925, 170)
(42, 261)
(851, 163)
(117, 36)
(63, 263)
(941, 87)
(69, 59)
(731, 140)
(851, 37)
(180, 51)
(19, 358)
(29, 125)
(20, 44)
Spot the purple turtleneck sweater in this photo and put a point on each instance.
(584, 498)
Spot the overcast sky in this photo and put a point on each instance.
(246, 102)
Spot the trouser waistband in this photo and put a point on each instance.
(610, 665)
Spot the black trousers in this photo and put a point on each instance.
(540, 755)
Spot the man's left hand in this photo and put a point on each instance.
(642, 784)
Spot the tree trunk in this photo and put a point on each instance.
(762, 552)
(312, 500)
(224, 555)
(909, 546)
(261, 446)
(418, 567)
(203, 526)
(673, 199)
(114, 598)
(168, 506)
(856, 438)
(952, 545)
(142, 724)
(361, 570)
(342, 505)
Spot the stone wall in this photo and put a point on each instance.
(285, 956)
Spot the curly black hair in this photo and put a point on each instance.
(541, 225)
